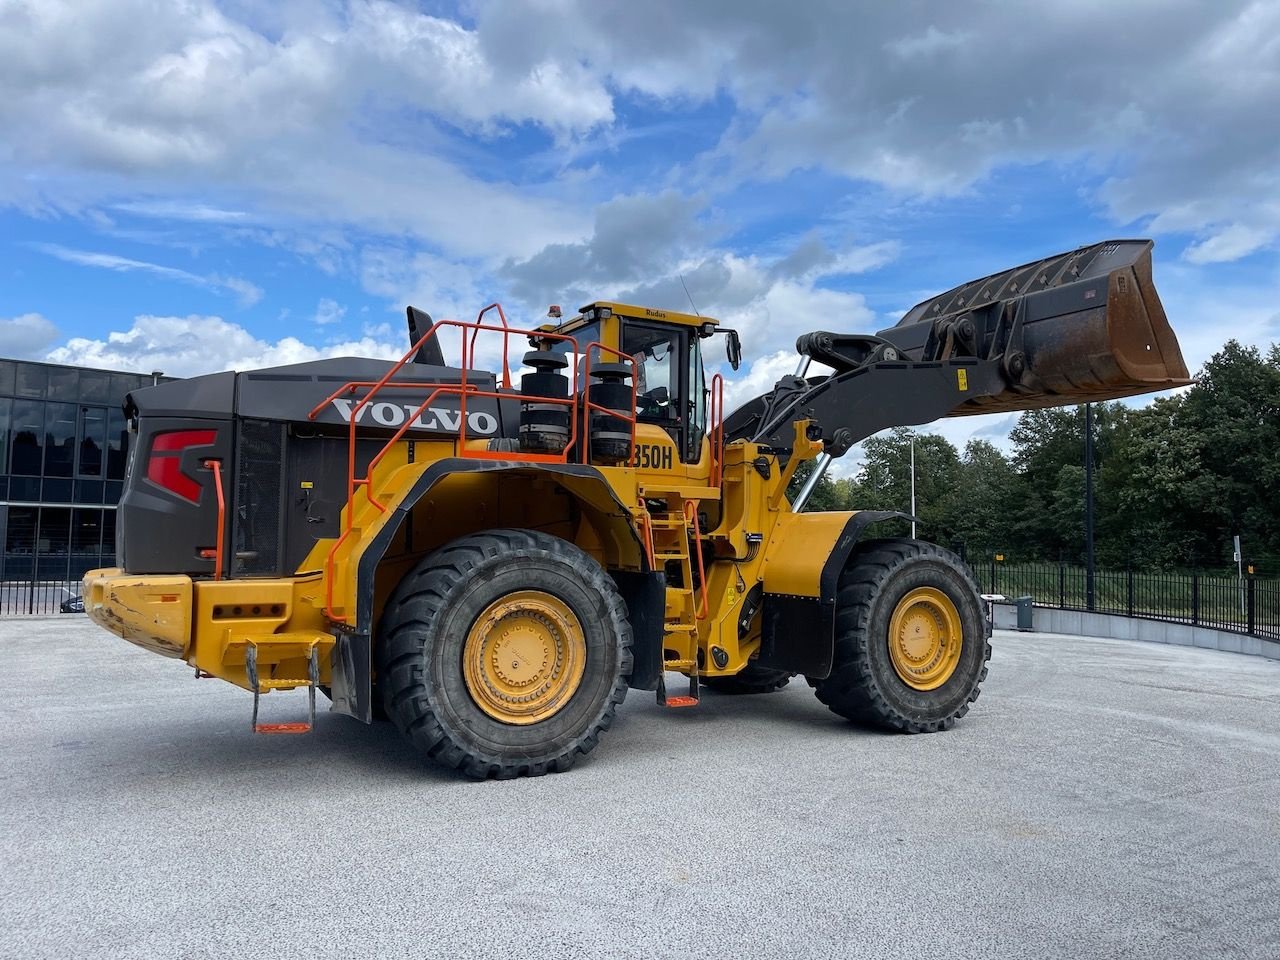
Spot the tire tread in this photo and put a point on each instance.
(407, 625)
(852, 689)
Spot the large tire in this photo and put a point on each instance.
(432, 633)
(905, 585)
(751, 679)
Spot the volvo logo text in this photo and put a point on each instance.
(433, 418)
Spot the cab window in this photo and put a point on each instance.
(697, 402)
(670, 390)
(659, 360)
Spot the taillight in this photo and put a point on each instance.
(164, 467)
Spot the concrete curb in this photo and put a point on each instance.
(41, 616)
(1115, 627)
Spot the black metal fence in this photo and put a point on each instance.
(1246, 604)
(39, 597)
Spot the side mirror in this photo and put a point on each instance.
(733, 348)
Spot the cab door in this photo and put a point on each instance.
(671, 405)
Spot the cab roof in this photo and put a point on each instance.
(600, 309)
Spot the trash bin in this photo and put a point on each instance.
(1025, 608)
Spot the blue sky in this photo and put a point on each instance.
(190, 186)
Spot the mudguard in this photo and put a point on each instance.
(806, 555)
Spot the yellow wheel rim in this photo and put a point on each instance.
(925, 638)
(524, 657)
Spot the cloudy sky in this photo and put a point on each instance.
(190, 185)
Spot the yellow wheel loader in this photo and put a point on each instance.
(491, 560)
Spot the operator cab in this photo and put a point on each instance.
(671, 387)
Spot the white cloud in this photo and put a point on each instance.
(924, 45)
(760, 376)
(446, 69)
(247, 293)
(445, 290)
(652, 250)
(1230, 243)
(782, 311)
(350, 112)
(813, 259)
(194, 345)
(933, 108)
(25, 336)
(635, 237)
(179, 210)
(332, 118)
(1205, 317)
(328, 312)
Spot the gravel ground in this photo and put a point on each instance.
(1103, 799)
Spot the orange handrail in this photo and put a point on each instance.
(377, 385)
(216, 467)
(462, 390)
(506, 341)
(386, 448)
(691, 516)
(717, 429)
(462, 400)
(646, 527)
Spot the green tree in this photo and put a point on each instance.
(1175, 479)
(827, 495)
(1233, 412)
(1064, 514)
(885, 480)
(1048, 519)
(1145, 516)
(988, 488)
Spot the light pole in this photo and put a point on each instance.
(913, 488)
(1239, 570)
(1088, 506)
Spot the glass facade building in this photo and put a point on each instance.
(63, 447)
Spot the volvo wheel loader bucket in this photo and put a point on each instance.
(1081, 326)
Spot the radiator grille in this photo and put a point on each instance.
(260, 466)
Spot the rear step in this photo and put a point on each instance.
(258, 686)
(678, 701)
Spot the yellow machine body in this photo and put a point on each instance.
(717, 569)
(613, 515)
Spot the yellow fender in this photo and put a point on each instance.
(617, 543)
(806, 554)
